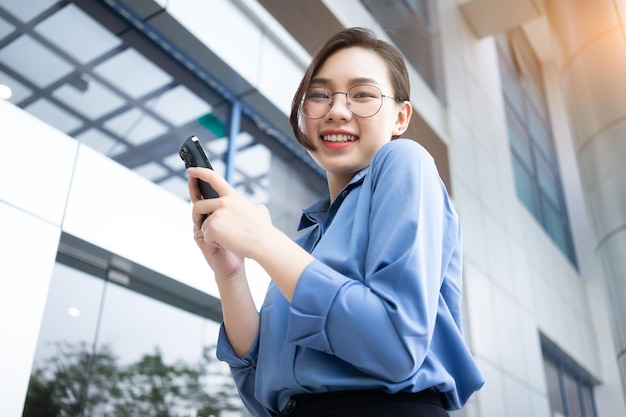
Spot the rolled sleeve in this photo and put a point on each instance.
(243, 371)
(310, 307)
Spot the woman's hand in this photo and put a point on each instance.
(222, 226)
(228, 225)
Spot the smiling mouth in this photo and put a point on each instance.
(339, 138)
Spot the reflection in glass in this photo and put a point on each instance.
(106, 350)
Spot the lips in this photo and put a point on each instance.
(339, 138)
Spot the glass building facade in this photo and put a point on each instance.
(112, 311)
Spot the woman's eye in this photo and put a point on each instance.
(317, 95)
(363, 95)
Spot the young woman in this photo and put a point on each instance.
(363, 314)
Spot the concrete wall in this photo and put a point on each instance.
(52, 184)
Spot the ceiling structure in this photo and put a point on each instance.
(115, 90)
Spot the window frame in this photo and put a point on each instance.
(566, 366)
(528, 120)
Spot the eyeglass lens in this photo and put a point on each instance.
(362, 100)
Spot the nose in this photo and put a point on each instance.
(341, 111)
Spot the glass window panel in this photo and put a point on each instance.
(254, 161)
(173, 161)
(547, 181)
(528, 63)
(540, 133)
(132, 73)
(511, 87)
(149, 355)
(141, 332)
(152, 171)
(534, 93)
(54, 115)
(518, 139)
(217, 146)
(179, 106)
(5, 28)
(68, 330)
(136, 126)
(556, 227)
(71, 311)
(554, 386)
(530, 72)
(176, 186)
(573, 396)
(34, 61)
(252, 166)
(101, 142)
(421, 10)
(504, 49)
(77, 34)
(26, 10)
(526, 188)
(409, 26)
(94, 102)
(529, 133)
(590, 410)
(161, 351)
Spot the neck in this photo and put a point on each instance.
(336, 183)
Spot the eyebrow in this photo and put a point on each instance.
(353, 81)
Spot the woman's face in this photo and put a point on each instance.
(345, 143)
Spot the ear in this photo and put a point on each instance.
(405, 110)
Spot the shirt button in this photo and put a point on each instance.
(344, 194)
(290, 407)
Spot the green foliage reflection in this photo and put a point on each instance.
(75, 383)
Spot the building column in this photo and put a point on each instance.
(592, 61)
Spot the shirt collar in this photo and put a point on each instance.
(318, 212)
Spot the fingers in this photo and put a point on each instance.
(197, 232)
(199, 212)
(216, 181)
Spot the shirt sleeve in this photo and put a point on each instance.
(383, 323)
(243, 371)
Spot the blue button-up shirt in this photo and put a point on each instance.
(380, 306)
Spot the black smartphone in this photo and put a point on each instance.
(193, 155)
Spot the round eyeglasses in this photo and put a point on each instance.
(363, 100)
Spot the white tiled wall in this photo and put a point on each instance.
(51, 184)
(517, 282)
(28, 247)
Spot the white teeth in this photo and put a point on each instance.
(339, 138)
